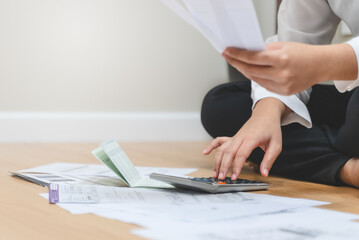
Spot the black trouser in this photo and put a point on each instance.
(314, 154)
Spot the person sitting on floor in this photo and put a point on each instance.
(282, 120)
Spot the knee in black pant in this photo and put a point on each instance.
(209, 112)
(348, 135)
(353, 105)
(256, 156)
(226, 108)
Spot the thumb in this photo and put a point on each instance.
(274, 46)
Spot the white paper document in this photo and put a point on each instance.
(295, 224)
(166, 214)
(83, 169)
(174, 205)
(172, 214)
(88, 174)
(225, 23)
(118, 170)
(191, 208)
(63, 193)
(44, 179)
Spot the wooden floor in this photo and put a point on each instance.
(24, 214)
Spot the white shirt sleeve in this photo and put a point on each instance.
(344, 86)
(306, 21)
(297, 103)
(298, 106)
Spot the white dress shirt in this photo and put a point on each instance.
(312, 22)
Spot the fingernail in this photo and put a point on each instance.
(265, 171)
(205, 150)
(221, 175)
(214, 174)
(227, 52)
(233, 176)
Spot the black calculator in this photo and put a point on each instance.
(211, 185)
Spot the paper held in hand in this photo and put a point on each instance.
(225, 23)
(111, 154)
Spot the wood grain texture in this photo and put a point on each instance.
(24, 214)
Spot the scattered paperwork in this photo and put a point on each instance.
(87, 174)
(167, 213)
(118, 172)
(230, 216)
(170, 205)
(229, 23)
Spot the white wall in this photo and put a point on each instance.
(267, 14)
(115, 56)
(101, 55)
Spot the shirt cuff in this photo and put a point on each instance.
(344, 86)
(299, 112)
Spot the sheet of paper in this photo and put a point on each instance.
(94, 174)
(44, 179)
(70, 168)
(84, 169)
(192, 213)
(60, 193)
(298, 224)
(238, 220)
(225, 23)
(167, 214)
(206, 208)
(182, 12)
(242, 231)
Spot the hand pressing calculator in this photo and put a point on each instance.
(211, 185)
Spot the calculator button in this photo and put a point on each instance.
(206, 180)
(228, 180)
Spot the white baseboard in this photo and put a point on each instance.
(95, 127)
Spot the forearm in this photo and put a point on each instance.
(287, 68)
(338, 62)
(270, 108)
